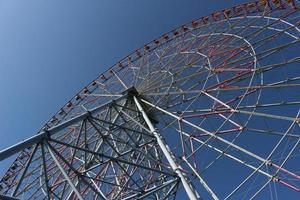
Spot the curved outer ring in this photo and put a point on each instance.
(238, 10)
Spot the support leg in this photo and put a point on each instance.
(166, 152)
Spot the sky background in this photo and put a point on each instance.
(49, 50)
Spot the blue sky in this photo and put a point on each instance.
(49, 50)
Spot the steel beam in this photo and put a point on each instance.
(166, 152)
(64, 173)
(116, 159)
(4, 197)
(47, 133)
(45, 172)
(28, 162)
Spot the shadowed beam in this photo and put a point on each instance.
(3, 197)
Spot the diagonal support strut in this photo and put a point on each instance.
(166, 152)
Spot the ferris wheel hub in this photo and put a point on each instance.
(132, 91)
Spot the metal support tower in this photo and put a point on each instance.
(217, 96)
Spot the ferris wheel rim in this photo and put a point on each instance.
(239, 10)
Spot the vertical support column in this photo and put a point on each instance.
(166, 152)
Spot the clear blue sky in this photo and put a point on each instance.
(49, 50)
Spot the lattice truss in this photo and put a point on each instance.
(209, 110)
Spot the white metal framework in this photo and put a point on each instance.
(209, 110)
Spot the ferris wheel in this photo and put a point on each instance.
(209, 110)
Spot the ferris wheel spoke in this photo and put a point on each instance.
(279, 168)
(264, 54)
(276, 20)
(271, 86)
(220, 44)
(102, 86)
(103, 95)
(270, 132)
(159, 61)
(119, 79)
(276, 85)
(256, 106)
(180, 70)
(211, 88)
(266, 115)
(213, 195)
(268, 38)
(182, 79)
(270, 163)
(220, 41)
(251, 154)
(224, 153)
(232, 110)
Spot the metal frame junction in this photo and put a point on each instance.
(43, 137)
